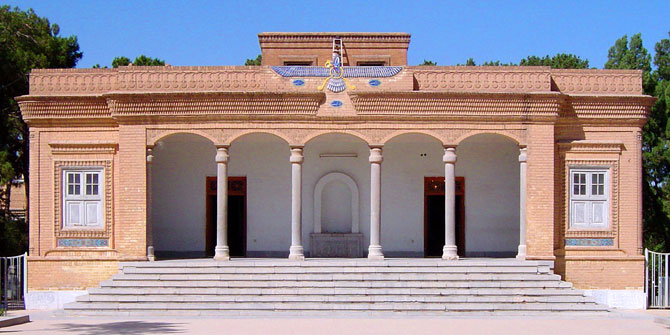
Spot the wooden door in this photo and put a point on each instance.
(237, 216)
(434, 216)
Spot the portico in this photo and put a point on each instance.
(336, 165)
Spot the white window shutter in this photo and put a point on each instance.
(92, 213)
(74, 210)
(598, 213)
(579, 213)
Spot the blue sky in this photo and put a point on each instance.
(200, 32)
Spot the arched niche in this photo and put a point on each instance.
(335, 177)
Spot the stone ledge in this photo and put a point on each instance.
(6, 321)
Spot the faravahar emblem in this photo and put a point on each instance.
(336, 74)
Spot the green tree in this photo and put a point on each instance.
(254, 62)
(140, 60)
(631, 54)
(656, 154)
(27, 42)
(559, 61)
(120, 61)
(428, 63)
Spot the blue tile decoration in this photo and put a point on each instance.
(349, 71)
(336, 103)
(83, 242)
(589, 242)
(374, 82)
(298, 82)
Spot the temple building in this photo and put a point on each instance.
(336, 147)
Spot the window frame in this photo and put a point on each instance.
(589, 198)
(82, 197)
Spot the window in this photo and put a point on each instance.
(371, 63)
(589, 199)
(298, 63)
(82, 198)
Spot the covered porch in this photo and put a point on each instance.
(261, 196)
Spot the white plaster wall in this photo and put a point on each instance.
(403, 172)
(490, 165)
(315, 167)
(179, 170)
(488, 162)
(264, 160)
(336, 208)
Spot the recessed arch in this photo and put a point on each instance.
(400, 133)
(243, 133)
(318, 192)
(314, 135)
(501, 133)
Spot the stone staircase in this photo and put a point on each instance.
(327, 286)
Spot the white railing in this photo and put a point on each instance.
(657, 279)
(14, 280)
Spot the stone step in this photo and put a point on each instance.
(338, 263)
(338, 283)
(341, 276)
(334, 291)
(326, 270)
(337, 306)
(323, 287)
(186, 298)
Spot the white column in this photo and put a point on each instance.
(222, 252)
(296, 251)
(150, 229)
(375, 249)
(522, 204)
(450, 251)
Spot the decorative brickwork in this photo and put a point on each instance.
(106, 230)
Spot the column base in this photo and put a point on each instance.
(521, 255)
(150, 254)
(450, 252)
(375, 252)
(221, 253)
(296, 253)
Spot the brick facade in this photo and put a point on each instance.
(111, 116)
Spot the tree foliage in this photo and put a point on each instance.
(632, 56)
(140, 60)
(558, 61)
(428, 63)
(27, 42)
(254, 62)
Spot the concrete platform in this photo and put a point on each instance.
(614, 323)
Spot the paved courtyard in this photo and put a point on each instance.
(629, 322)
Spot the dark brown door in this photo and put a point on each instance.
(434, 216)
(237, 216)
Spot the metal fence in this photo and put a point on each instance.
(13, 279)
(656, 284)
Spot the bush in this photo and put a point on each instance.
(13, 236)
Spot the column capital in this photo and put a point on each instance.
(523, 154)
(449, 155)
(150, 154)
(296, 155)
(376, 154)
(222, 154)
